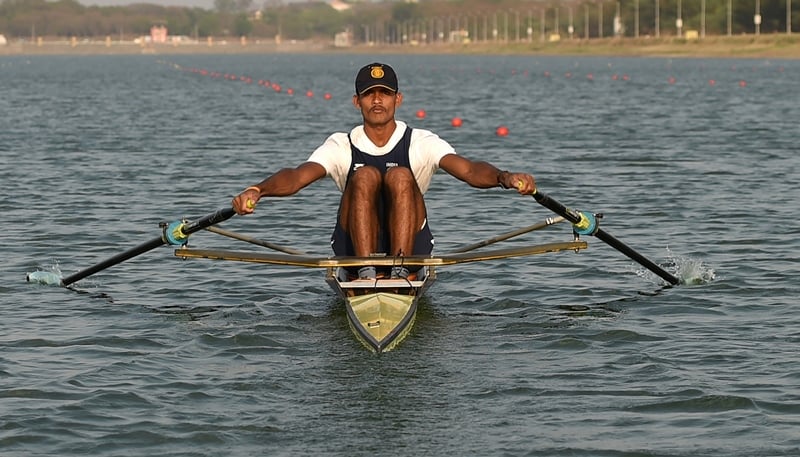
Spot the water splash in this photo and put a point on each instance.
(693, 271)
(689, 271)
(50, 276)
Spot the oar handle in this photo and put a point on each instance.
(586, 224)
(174, 233)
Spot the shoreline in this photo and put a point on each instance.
(777, 46)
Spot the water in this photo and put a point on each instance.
(559, 355)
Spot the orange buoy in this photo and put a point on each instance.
(502, 131)
(327, 96)
(309, 94)
(290, 91)
(742, 83)
(421, 113)
(456, 122)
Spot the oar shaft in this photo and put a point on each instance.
(185, 230)
(557, 207)
(119, 258)
(207, 221)
(642, 260)
(575, 217)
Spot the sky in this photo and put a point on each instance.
(207, 4)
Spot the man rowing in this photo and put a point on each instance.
(383, 168)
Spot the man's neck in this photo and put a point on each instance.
(380, 134)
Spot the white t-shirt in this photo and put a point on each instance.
(424, 153)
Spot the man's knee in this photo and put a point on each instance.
(367, 172)
(399, 177)
(366, 177)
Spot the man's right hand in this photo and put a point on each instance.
(245, 202)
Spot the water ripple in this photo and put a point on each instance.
(582, 354)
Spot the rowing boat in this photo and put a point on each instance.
(380, 312)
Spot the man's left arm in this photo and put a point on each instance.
(484, 175)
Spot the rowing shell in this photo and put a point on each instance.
(380, 312)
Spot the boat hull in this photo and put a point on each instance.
(382, 312)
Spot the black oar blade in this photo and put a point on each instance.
(174, 233)
(580, 219)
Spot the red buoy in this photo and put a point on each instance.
(502, 131)
(456, 122)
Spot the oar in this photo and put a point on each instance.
(586, 224)
(502, 237)
(174, 233)
(251, 240)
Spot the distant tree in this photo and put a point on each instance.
(225, 6)
(302, 22)
(233, 6)
(405, 11)
(242, 25)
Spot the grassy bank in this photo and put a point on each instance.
(745, 46)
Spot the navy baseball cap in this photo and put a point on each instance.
(375, 75)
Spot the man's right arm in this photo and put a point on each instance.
(287, 181)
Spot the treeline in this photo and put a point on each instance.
(393, 20)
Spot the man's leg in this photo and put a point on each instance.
(405, 209)
(359, 211)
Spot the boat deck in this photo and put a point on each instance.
(351, 288)
(381, 311)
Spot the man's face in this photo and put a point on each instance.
(378, 105)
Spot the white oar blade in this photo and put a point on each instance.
(44, 277)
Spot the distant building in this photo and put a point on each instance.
(339, 5)
(343, 39)
(3, 40)
(158, 34)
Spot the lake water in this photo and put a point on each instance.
(693, 163)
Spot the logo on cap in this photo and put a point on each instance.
(376, 72)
